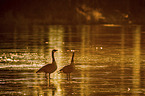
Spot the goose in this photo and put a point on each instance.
(69, 68)
(49, 68)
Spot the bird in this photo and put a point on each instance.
(69, 68)
(49, 68)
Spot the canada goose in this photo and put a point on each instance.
(69, 68)
(49, 68)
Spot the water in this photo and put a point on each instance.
(109, 60)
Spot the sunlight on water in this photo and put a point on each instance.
(109, 60)
(136, 66)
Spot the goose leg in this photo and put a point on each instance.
(69, 75)
(49, 82)
(49, 76)
(45, 75)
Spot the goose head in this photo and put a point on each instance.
(54, 50)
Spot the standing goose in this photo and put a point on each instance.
(69, 68)
(49, 68)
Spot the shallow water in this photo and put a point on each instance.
(109, 60)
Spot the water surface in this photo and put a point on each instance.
(109, 60)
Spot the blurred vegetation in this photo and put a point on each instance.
(17, 12)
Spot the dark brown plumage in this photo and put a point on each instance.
(49, 68)
(69, 68)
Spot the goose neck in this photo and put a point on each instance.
(53, 59)
(72, 60)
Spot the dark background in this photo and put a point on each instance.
(17, 12)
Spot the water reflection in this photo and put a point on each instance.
(108, 60)
(136, 66)
(45, 88)
(122, 61)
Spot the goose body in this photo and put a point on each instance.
(49, 68)
(69, 68)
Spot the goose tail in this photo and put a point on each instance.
(39, 71)
(60, 71)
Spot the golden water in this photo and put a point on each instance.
(109, 60)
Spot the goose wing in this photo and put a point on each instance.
(67, 69)
(44, 68)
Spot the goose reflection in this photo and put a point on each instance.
(49, 89)
(69, 68)
(49, 68)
